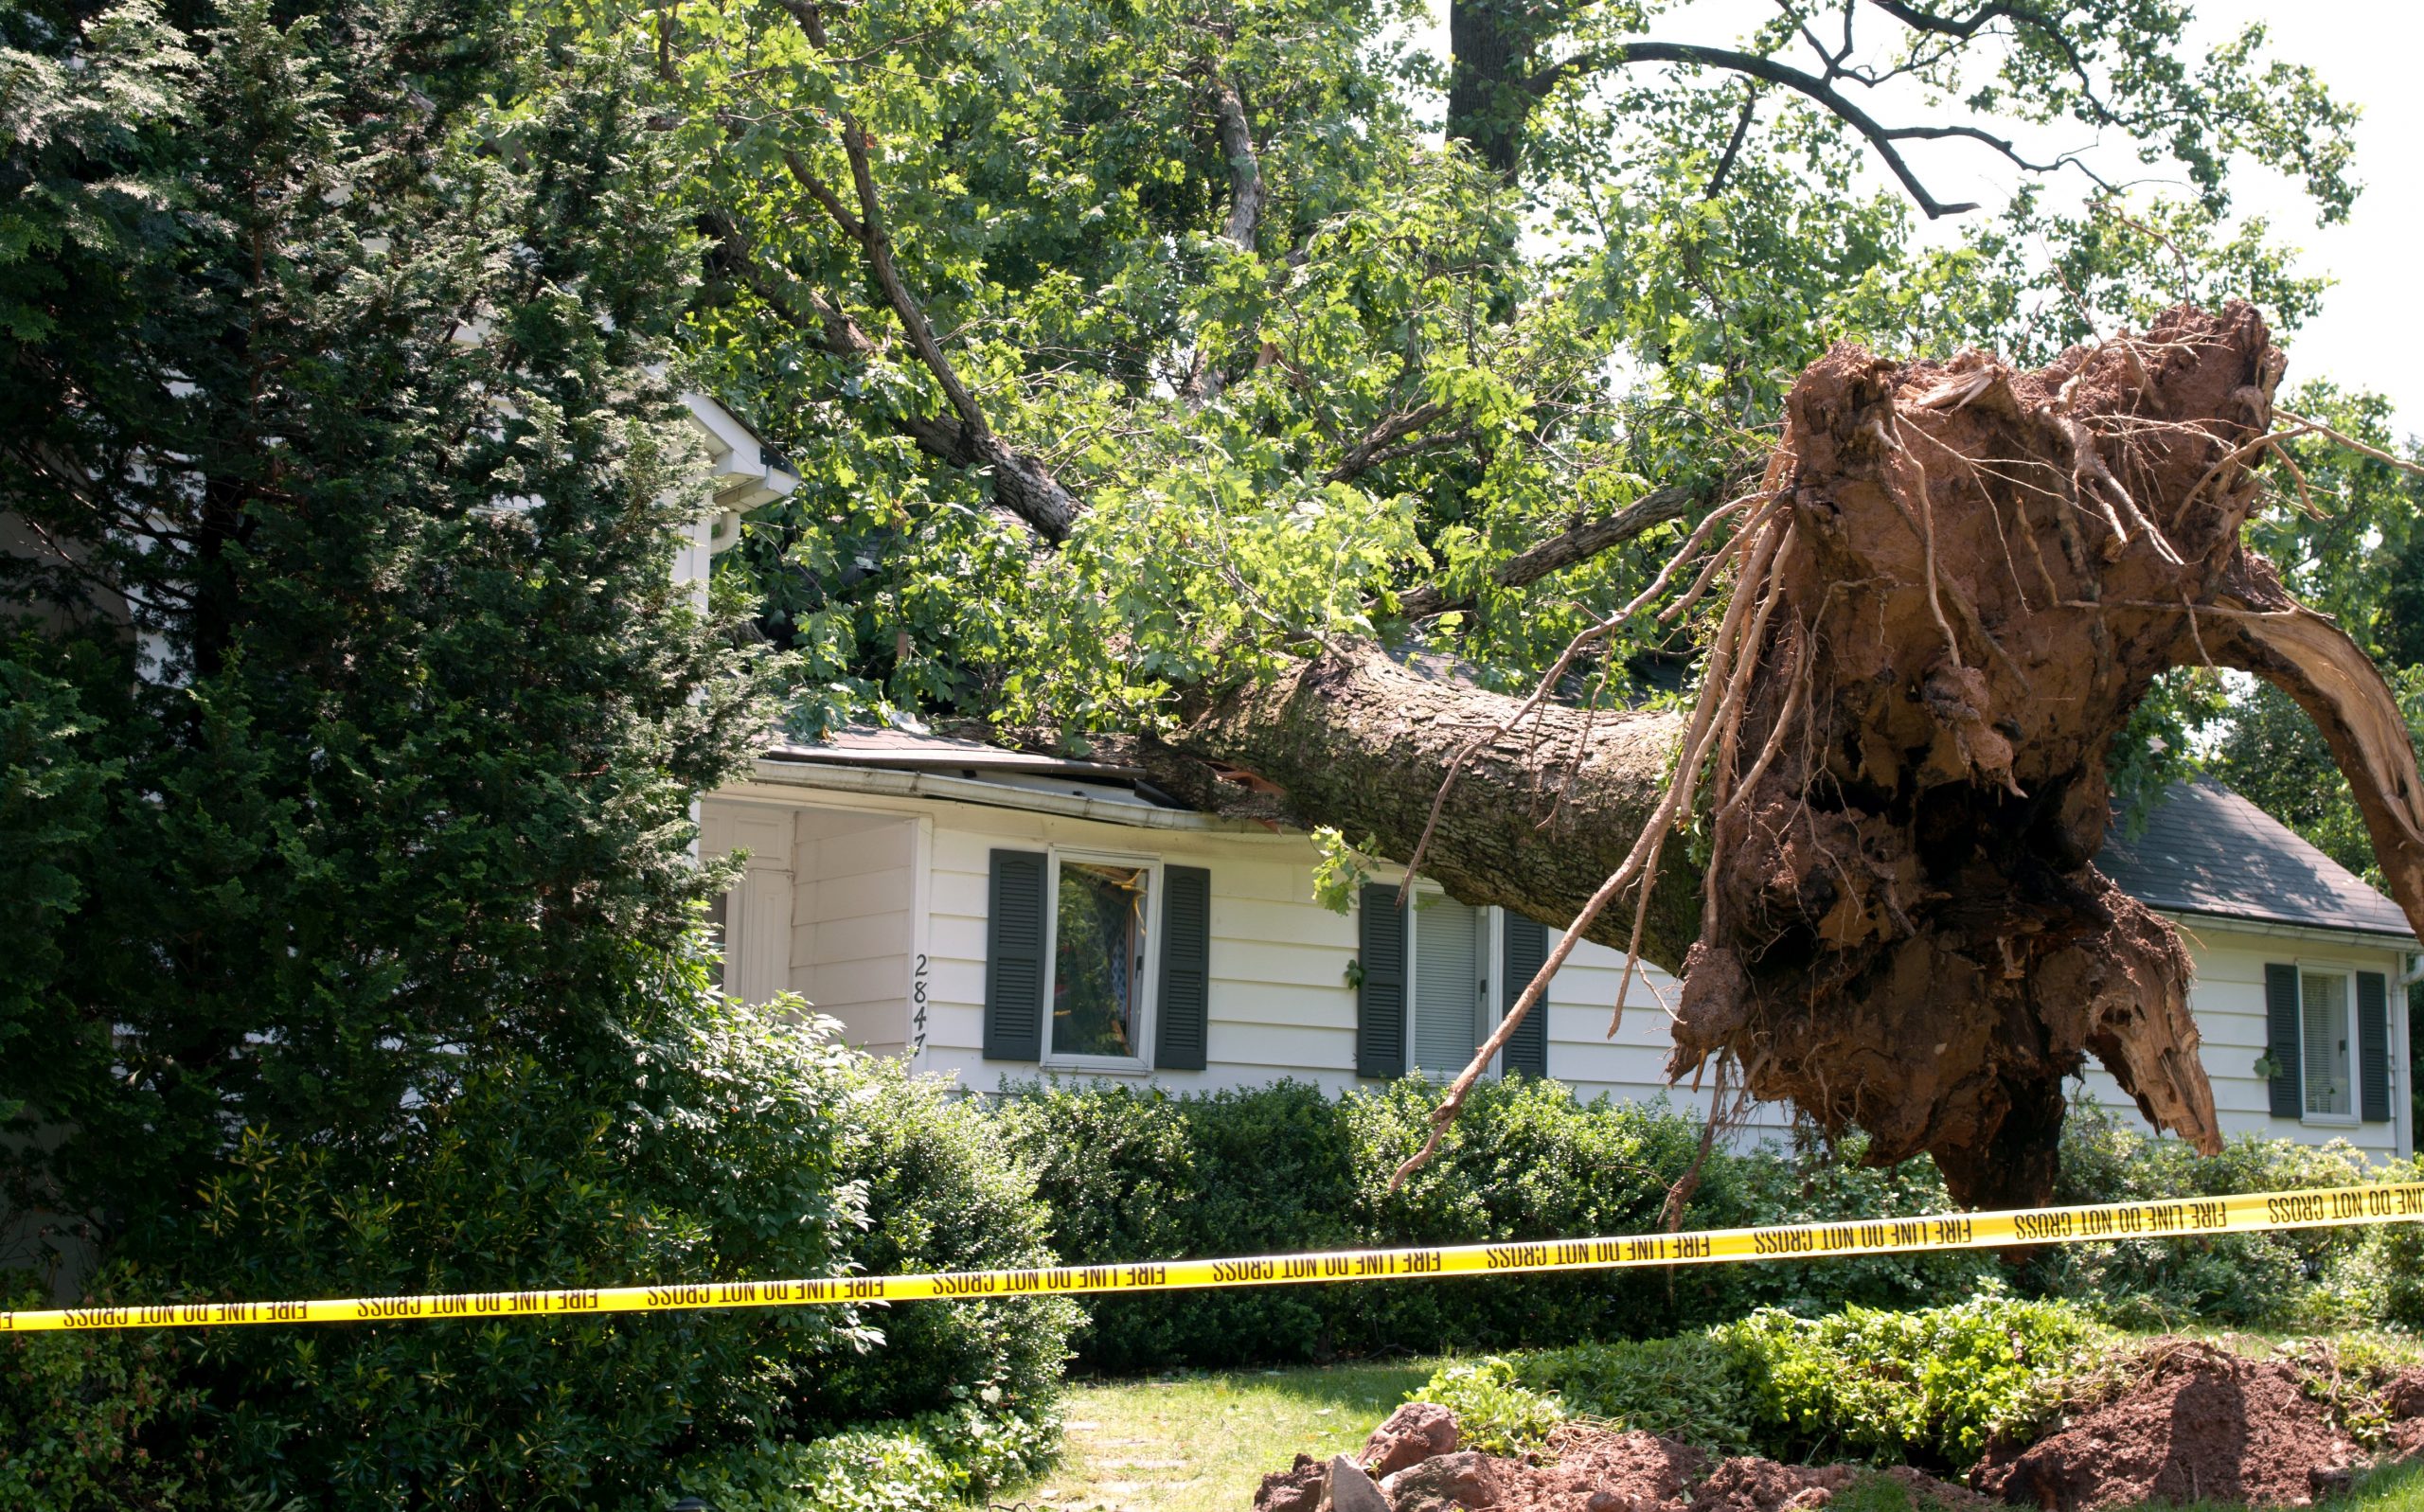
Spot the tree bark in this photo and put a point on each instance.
(1537, 818)
(1974, 576)
(1493, 46)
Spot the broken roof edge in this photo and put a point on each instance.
(862, 745)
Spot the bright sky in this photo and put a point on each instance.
(2370, 334)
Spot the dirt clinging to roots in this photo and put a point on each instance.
(1963, 581)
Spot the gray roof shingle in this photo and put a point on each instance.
(2207, 850)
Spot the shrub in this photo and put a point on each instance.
(98, 1420)
(2393, 1261)
(706, 1148)
(726, 1144)
(1131, 1174)
(937, 1462)
(1141, 1175)
(1814, 1183)
(1495, 1414)
(942, 1192)
(1694, 1387)
(1136, 1175)
(2291, 1277)
(1929, 1386)
(1526, 1160)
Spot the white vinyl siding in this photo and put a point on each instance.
(1280, 1004)
(2227, 997)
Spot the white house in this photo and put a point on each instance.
(999, 915)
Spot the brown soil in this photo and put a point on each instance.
(2403, 1404)
(2403, 1395)
(2199, 1424)
(1593, 1469)
(2193, 1423)
(1639, 1471)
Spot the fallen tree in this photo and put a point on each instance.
(1201, 393)
(1954, 585)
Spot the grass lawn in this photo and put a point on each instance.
(1202, 1443)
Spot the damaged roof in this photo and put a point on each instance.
(2206, 850)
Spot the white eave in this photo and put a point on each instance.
(746, 477)
(1065, 798)
(2193, 922)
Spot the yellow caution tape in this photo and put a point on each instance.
(2245, 1214)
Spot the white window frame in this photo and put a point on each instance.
(1148, 977)
(1491, 944)
(2306, 966)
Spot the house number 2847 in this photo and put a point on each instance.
(918, 1006)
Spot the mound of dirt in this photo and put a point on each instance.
(1752, 1484)
(2403, 1404)
(2197, 1423)
(1601, 1471)
(1586, 1469)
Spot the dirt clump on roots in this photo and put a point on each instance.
(2195, 1423)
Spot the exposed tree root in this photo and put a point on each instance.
(1958, 582)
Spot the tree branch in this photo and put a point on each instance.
(1245, 211)
(1022, 483)
(1881, 138)
(1361, 456)
(1246, 168)
(1734, 145)
(1577, 543)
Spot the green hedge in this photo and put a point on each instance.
(1928, 1387)
(1133, 1174)
(2294, 1278)
(727, 1143)
(942, 1192)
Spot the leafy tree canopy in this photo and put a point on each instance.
(1129, 346)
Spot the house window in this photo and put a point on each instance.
(2327, 1043)
(1098, 985)
(1450, 995)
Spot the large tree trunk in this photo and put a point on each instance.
(1972, 576)
(1494, 48)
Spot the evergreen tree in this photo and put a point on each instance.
(351, 721)
(349, 496)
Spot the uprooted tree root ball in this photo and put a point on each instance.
(1952, 587)
(1965, 580)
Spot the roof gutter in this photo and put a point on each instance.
(2244, 925)
(891, 783)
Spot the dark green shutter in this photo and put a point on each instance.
(1525, 947)
(2373, 1046)
(2281, 1011)
(1187, 968)
(1379, 1002)
(1014, 955)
